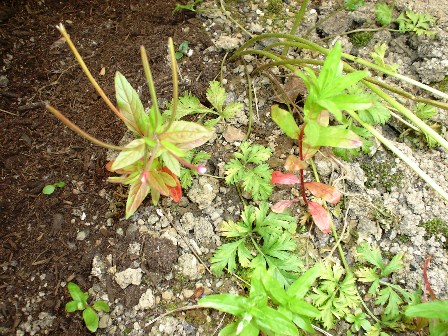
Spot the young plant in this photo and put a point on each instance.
(415, 22)
(435, 311)
(326, 94)
(151, 163)
(383, 13)
(190, 6)
(388, 295)
(260, 239)
(183, 50)
(80, 302)
(186, 174)
(269, 307)
(50, 188)
(249, 168)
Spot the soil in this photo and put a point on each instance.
(38, 232)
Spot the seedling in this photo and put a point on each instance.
(415, 22)
(183, 50)
(50, 188)
(151, 163)
(291, 312)
(190, 6)
(80, 302)
(249, 168)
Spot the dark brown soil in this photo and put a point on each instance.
(38, 246)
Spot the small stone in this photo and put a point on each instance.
(167, 295)
(130, 276)
(81, 235)
(104, 322)
(227, 42)
(232, 134)
(146, 301)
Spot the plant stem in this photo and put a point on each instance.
(302, 180)
(75, 128)
(295, 25)
(92, 80)
(402, 156)
(152, 89)
(250, 97)
(175, 84)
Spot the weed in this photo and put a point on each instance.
(435, 311)
(79, 302)
(190, 6)
(383, 13)
(249, 168)
(415, 22)
(275, 6)
(50, 188)
(183, 50)
(435, 227)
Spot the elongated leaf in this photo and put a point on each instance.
(301, 307)
(332, 136)
(331, 69)
(90, 319)
(171, 162)
(73, 306)
(321, 216)
(101, 306)
(137, 193)
(282, 205)
(274, 288)
(127, 157)
(186, 135)
(280, 178)
(293, 163)
(269, 319)
(285, 121)
(76, 293)
(324, 191)
(228, 303)
(342, 83)
(156, 182)
(131, 107)
(430, 310)
(216, 95)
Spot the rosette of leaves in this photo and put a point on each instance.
(249, 168)
(261, 238)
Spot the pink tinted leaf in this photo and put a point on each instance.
(156, 181)
(337, 136)
(293, 163)
(136, 150)
(186, 135)
(282, 205)
(323, 118)
(137, 193)
(325, 191)
(321, 216)
(308, 151)
(176, 191)
(280, 178)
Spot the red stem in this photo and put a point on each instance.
(302, 180)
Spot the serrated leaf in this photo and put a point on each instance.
(186, 135)
(383, 13)
(425, 111)
(225, 256)
(321, 216)
(90, 319)
(387, 294)
(232, 109)
(371, 255)
(285, 121)
(324, 191)
(367, 274)
(279, 178)
(394, 265)
(136, 151)
(216, 95)
(132, 109)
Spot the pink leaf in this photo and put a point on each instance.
(325, 191)
(282, 205)
(280, 178)
(321, 217)
(293, 163)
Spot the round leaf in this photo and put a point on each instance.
(48, 189)
(90, 319)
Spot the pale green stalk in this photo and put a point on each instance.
(175, 83)
(149, 79)
(295, 25)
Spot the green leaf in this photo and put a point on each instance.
(383, 13)
(137, 193)
(231, 229)
(387, 294)
(225, 256)
(132, 109)
(232, 109)
(73, 306)
(331, 69)
(367, 274)
(270, 320)
(60, 184)
(425, 111)
(285, 121)
(301, 307)
(186, 135)
(90, 319)
(333, 136)
(430, 310)
(378, 57)
(216, 95)
(48, 189)
(274, 288)
(101, 306)
(137, 150)
(228, 303)
(76, 293)
(371, 255)
(186, 105)
(352, 5)
(394, 265)
(303, 284)
(342, 83)
(171, 162)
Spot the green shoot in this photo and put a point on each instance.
(79, 302)
(251, 170)
(183, 50)
(50, 188)
(190, 6)
(417, 23)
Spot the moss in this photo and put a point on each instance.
(275, 6)
(404, 239)
(361, 39)
(382, 174)
(434, 227)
